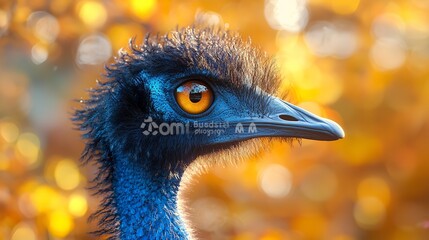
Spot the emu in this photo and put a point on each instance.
(143, 126)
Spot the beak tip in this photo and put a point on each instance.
(336, 129)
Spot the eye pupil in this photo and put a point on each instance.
(195, 97)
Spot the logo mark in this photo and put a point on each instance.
(151, 127)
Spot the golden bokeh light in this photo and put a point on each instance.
(275, 180)
(46, 199)
(60, 223)
(67, 174)
(374, 187)
(369, 212)
(293, 58)
(78, 204)
(21, 14)
(23, 231)
(143, 9)
(9, 131)
(28, 145)
(119, 34)
(44, 25)
(39, 54)
(290, 15)
(92, 13)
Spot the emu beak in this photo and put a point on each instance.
(288, 120)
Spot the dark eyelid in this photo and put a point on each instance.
(208, 80)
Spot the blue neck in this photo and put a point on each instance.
(146, 201)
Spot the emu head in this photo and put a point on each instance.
(189, 93)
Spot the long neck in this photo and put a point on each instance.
(146, 201)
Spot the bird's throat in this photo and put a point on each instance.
(146, 201)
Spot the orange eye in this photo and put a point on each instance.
(194, 97)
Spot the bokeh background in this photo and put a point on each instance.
(363, 63)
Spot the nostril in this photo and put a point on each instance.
(287, 117)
